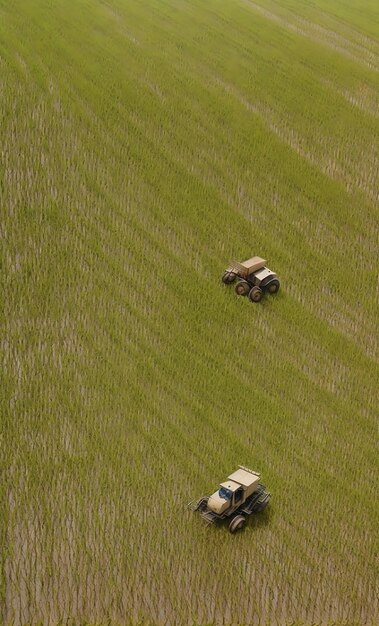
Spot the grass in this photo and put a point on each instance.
(144, 145)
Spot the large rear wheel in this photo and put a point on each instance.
(228, 277)
(242, 288)
(273, 287)
(255, 294)
(262, 500)
(237, 523)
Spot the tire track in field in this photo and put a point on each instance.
(324, 36)
(365, 99)
(329, 166)
(119, 26)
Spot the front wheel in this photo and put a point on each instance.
(228, 278)
(255, 294)
(242, 288)
(273, 287)
(237, 523)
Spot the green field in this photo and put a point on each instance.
(142, 146)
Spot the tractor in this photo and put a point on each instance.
(238, 497)
(253, 278)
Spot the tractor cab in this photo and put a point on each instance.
(227, 497)
(225, 493)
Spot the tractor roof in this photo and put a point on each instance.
(244, 477)
(231, 485)
(253, 264)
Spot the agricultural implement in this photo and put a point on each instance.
(238, 497)
(253, 278)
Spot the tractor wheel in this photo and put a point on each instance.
(237, 523)
(255, 294)
(273, 287)
(242, 288)
(260, 506)
(262, 500)
(228, 278)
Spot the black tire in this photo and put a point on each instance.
(255, 294)
(273, 287)
(242, 288)
(202, 504)
(237, 523)
(228, 278)
(262, 500)
(260, 506)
